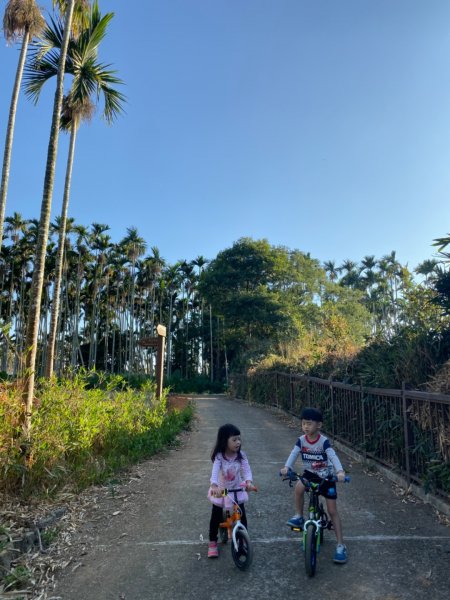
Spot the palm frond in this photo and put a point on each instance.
(441, 243)
(37, 73)
(90, 78)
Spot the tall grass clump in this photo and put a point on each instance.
(81, 434)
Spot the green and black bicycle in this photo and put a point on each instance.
(317, 520)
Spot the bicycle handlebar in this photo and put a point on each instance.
(243, 488)
(224, 492)
(293, 476)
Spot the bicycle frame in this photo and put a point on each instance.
(317, 515)
(317, 520)
(233, 522)
(241, 548)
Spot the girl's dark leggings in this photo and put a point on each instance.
(217, 518)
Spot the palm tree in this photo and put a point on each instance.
(15, 225)
(200, 262)
(15, 229)
(348, 265)
(368, 263)
(351, 278)
(101, 244)
(82, 253)
(441, 245)
(37, 283)
(392, 268)
(133, 246)
(171, 280)
(89, 77)
(61, 245)
(330, 268)
(427, 268)
(22, 19)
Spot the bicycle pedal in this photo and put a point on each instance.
(296, 528)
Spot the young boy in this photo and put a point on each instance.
(319, 460)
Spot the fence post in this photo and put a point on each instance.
(405, 431)
(276, 388)
(363, 413)
(291, 391)
(333, 429)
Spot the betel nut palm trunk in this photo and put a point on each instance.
(44, 222)
(51, 345)
(10, 132)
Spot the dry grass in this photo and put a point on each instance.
(440, 383)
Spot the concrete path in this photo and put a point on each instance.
(150, 546)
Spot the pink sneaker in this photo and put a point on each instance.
(213, 551)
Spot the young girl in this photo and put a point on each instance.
(230, 470)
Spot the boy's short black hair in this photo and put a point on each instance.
(311, 414)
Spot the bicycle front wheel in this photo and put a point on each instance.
(243, 556)
(311, 550)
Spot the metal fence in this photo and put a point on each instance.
(405, 430)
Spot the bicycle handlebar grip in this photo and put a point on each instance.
(347, 479)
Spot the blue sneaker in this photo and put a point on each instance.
(340, 556)
(296, 522)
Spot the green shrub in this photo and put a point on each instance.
(17, 578)
(81, 433)
(195, 385)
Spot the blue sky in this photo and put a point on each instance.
(321, 125)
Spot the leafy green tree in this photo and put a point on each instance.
(264, 293)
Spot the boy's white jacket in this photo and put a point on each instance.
(317, 455)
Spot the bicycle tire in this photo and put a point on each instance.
(243, 556)
(311, 550)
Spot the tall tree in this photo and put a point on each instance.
(331, 269)
(133, 246)
(44, 223)
(22, 19)
(427, 268)
(89, 78)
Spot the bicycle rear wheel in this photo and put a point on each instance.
(243, 556)
(310, 550)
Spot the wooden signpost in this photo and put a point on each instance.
(157, 343)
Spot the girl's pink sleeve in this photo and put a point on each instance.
(246, 470)
(215, 471)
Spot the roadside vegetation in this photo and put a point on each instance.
(83, 433)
